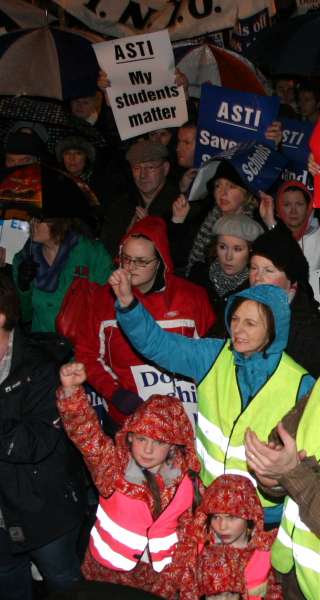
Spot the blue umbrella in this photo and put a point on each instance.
(47, 62)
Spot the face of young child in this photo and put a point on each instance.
(230, 530)
(148, 453)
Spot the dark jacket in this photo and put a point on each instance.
(121, 210)
(41, 477)
(304, 333)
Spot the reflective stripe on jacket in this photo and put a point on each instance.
(125, 528)
(296, 546)
(223, 420)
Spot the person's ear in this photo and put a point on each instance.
(3, 319)
(166, 167)
(129, 438)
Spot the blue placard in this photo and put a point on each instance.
(295, 140)
(228, 117)
(258, 165)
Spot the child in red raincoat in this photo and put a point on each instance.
(146, 487)
(234, 560)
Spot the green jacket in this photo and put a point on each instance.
(40, 307)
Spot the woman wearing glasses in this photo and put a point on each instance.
(44, 269)
(121, 375)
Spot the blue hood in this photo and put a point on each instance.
(277, 300)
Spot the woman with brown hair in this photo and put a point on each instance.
(44, 269)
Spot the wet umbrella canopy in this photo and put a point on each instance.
(47, 62)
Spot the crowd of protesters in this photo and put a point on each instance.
(199, 332)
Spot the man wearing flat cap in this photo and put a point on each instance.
(153, 192)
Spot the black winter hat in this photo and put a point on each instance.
(226, 171)
(279, 246)
(24, 143)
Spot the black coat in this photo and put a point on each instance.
(304, 333)
(42, 491)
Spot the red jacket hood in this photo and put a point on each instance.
(279, 205)
(162, 418)
(155, 229)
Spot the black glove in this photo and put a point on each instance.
(125, 401)
(27, 271)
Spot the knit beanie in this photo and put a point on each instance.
(279, 246)
(240, 226)
(75, 142)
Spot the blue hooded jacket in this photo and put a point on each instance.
(195, 357)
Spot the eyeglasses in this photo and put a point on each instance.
(139, 263)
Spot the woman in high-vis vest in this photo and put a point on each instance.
(246, 382)
(234, 550)
(146, 481)
(292, 468)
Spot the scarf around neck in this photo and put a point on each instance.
(224, 283)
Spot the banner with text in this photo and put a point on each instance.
(143, 94)
(258, 165)
(184, 19)
(228, 117)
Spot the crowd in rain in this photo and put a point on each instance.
(159, 360)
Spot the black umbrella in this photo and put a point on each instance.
(291, 48)
(58, 122)
(47, 62)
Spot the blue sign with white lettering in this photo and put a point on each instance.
(259, 166)
(228, 117)
(295, 139)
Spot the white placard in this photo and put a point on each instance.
(149, 380)
(143, 94)
(13, 236)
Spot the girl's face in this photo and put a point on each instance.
(263, 271)
(148, 453)
(231, 531)
(249, 332)
(138, 258)
(294, 209)
(232, 253)
(229, 197)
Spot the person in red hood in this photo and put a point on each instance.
(294, 206)
(147, 482)
(116, 371)
(234, 551)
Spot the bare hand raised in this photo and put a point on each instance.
(120, 281)
(72, 375)
(266, 209)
